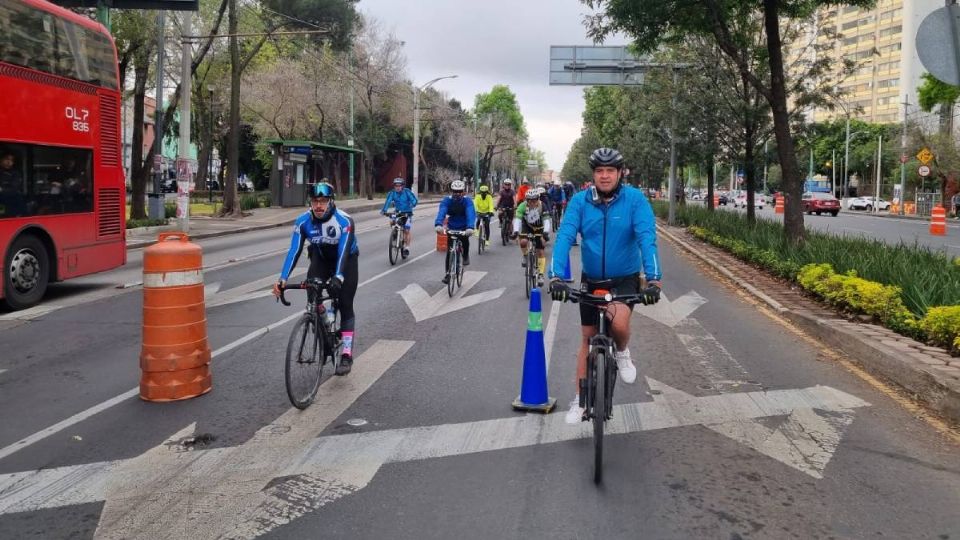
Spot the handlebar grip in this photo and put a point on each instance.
(283, 299)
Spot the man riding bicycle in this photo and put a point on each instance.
(506, 201)
(403, 201)
(613, 220)
(558, 198)
(333, 254)
(483, 204)
(532, 219)
(459, 213)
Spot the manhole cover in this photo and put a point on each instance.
(356, 422)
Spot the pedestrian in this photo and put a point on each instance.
(956, 205)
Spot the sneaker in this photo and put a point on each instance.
(539, 280)
(406, 253)
(445, 280)
(628, 373)
(575, 414)
(346, 363)
(523, 261)
(486, 243)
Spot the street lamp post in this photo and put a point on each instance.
(210, 151)
(416, 131)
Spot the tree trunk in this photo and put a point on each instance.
(139, 171)
(792, 186)
(711, 180)
(230, 205)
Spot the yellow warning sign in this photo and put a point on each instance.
(925, 156)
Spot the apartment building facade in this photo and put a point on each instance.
(881, 40)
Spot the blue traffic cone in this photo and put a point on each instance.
(567, 275)
(533, 389)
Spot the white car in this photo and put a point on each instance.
(740, 201)
(868, 204)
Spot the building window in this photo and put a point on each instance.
(888, 83)
(887, 32)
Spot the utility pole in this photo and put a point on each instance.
(876, 203)
(672, 183)
(476, 152)
(765, 165)
(846, 162)
(184, 182)
(903, 153)
(350, 139)
(155, 210)
(833, 172)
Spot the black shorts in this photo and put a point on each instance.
(525, 228)
(590, 315)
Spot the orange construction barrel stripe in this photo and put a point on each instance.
(175, 355)
(938, 221)
(778, 208)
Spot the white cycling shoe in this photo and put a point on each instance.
(628, 373)
(575, 414)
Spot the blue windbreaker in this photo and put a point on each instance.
(405, 201)
(334, 240)
(618, 236)
(462, 214)
(557, 195)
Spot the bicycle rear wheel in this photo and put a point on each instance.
(599, 410)
(505, 231)
(394, 248)
(304, 363)
(480, 242)
(459, 266)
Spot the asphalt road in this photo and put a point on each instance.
(737, 427)
(891, 230)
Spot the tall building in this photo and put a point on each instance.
(882, 42)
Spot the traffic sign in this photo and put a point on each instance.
(925, 156)
(924, 170)
(904, 158)
(938, 44)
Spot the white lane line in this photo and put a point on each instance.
(550, 334)
(857, 230)
(2, 371)
(83, 415)
(395, 268)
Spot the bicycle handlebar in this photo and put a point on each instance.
(397, 214)
(307, 284)
(576, 296)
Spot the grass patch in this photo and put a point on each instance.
(135, 223)
(927, 278)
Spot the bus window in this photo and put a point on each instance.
(57, 180)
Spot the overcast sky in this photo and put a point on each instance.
(488, 42)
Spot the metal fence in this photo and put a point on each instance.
(926, 202)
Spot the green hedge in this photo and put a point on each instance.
(927, 278)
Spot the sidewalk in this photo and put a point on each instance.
(259, 219)
(929, 373)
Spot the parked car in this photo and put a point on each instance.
(868, 204)
(723, 198)
(697, 196)
(740, 201)
(820, 203)
(168, 186)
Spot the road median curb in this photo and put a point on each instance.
(930, 376)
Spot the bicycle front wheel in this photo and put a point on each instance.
(459, 268)
(451, 271)
(394, 247)
(304, 365)
(599, 411)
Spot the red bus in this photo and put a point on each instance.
(62, 194)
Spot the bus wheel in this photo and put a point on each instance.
(26, 272)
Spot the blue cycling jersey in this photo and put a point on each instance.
(404, 201)
(460, 211)
(557, 195)
(333, 240)
(619, 236)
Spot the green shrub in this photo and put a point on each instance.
(848, 291)
(942, 326)
(170, 210)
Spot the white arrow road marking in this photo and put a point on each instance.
(210, 289)
(671, 313)
(723, 371)
(423, 306)
(300, 478)
(166, 494)
(248, 291)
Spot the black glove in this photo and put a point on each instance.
(546, 237)
(334, 286)
(651, 294)
(559, 290)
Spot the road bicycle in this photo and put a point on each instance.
(454, 260)
(531, 277)
(314, 342)
(506, 226)
(596, 389)
(483, 231)
(557, 215)
(397, 246)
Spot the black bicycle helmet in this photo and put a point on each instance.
(323, 189)
(606, 157)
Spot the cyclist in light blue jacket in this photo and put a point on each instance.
(403, 201)
(619, 240)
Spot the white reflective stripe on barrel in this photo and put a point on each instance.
(172, 279)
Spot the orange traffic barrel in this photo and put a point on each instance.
(778, 207)
(175, 357)
(716, 201)
(938, 221)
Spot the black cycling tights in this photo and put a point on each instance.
(323, 269)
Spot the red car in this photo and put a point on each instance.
(821, 203)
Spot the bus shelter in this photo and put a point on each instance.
(298, 164)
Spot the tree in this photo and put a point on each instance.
(654, 22)
(500, 127)
(936, 93)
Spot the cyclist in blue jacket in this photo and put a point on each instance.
(619, 238)
(404, 201)
(460, 215)
(333, 255)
